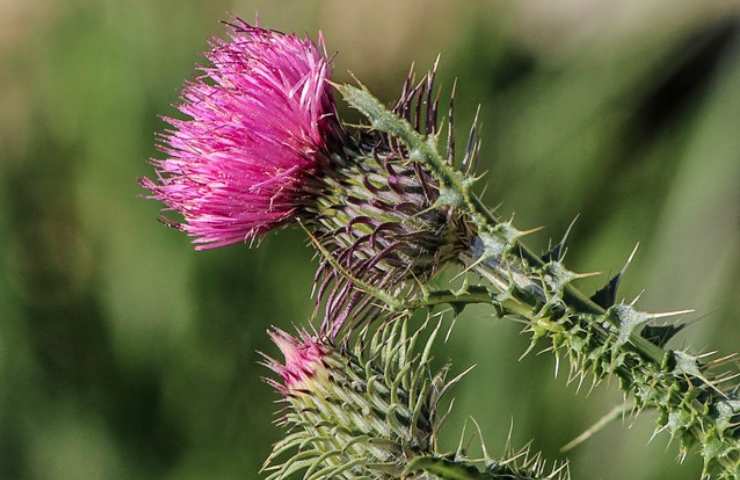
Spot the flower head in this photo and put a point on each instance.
(261, 115)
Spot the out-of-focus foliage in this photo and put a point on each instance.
(124, 354)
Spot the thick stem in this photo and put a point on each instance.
(572, 296)
(690, 405)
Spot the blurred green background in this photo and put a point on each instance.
(124, 354)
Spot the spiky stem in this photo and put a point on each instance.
(597, 335)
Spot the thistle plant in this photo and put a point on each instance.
(387, 205)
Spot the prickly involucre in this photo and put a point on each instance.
(260, 115)
(383, 215)
(368, 408)
(352, 409)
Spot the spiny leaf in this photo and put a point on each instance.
(660, 335)
(606, 296)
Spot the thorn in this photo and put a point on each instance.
(727, 379)
(451, 125)
(544, 350)
(507, 446)
(655, 433)
(654, 316)
(460, 449)
(480, 260)
(528, 350)
(452, 326)
(580, 276)
(524, 233)
(569, 229)
(480, 436)
(706, 354)
(582, 377)
(484, 190)
(467, 163)
(630, 258)
(637, 298)
(722, 360)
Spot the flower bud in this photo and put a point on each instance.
(355, 412)
(382, 217)
(371, 411)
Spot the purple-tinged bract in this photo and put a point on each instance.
(261, 115)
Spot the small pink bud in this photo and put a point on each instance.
(302, 359)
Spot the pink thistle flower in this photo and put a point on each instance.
(260, 119)
(302, 360)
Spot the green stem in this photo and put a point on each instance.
(469, 295)
(572, 295)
